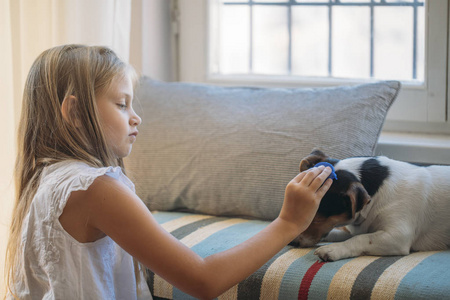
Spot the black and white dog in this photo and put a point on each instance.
(387, 207)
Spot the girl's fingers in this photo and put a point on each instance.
(325, 187)
(314, 173)
(300, 176)
(315, 178)
(318, 181)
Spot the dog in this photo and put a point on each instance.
(381, 207)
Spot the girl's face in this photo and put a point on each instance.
(117, 116)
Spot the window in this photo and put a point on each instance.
(382, 39)
(415, 30)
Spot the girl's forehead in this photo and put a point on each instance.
(120, 85)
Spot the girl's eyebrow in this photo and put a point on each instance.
(126, 95)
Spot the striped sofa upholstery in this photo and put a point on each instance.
(297, 274)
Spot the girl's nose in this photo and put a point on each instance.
(135, 119)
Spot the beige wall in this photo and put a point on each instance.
(6, 187)
(8, 118)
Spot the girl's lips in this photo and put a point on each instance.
(133, 136)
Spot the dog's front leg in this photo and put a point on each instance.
(377, 243)
(338, 234)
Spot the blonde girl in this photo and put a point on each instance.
(78, 227)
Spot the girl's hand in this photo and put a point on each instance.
(303, 195)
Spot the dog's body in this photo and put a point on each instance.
(388, 207)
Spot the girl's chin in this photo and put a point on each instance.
(122, 153)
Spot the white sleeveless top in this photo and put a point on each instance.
(56, 266)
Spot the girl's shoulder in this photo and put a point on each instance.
(86, 208)
(78, 175)
(60, 180)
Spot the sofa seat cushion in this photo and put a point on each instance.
(296, 273)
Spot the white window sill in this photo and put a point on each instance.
(415, 147)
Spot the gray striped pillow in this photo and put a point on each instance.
(232, 150)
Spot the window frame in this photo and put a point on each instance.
(418, 108)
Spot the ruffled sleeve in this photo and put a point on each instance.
(64, 178)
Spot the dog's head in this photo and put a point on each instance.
(344, 199)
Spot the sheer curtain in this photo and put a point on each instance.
(28, 27)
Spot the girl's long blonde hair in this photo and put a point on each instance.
(45, 137)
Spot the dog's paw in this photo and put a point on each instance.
(331, 252)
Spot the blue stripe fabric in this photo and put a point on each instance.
(429, 280)
(228, 238)
(163, 217)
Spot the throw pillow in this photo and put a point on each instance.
(232, 150)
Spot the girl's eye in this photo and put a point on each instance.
(122, 106)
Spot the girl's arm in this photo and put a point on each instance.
(116, 211)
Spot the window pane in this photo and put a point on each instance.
(351, 42)
(310, 47)
(420, 43)
(393, 52)
(270, 39)
(234, 49)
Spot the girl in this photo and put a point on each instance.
(77, 223)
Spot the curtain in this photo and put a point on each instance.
(28, 27)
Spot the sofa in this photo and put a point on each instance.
(212, 164)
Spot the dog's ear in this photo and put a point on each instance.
(312, 159)
(358, 196)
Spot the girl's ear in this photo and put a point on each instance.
(69, 111)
